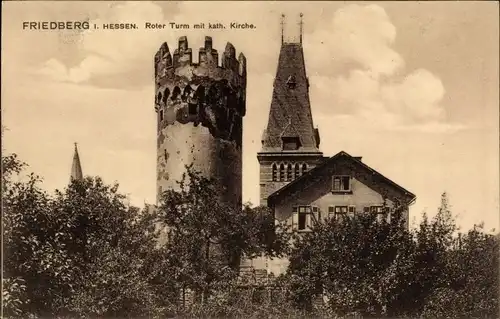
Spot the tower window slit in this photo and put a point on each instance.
(304, 168)
(296, 171)
(289, 172)
(275, 172)
(282, 172)
(193, 108)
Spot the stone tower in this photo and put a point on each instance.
(200, 108)
(290, 143)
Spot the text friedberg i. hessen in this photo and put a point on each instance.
(74, 25)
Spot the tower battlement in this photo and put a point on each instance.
(203, 93)
(168, 66)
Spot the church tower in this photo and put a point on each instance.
(290, 143)
(76, 167)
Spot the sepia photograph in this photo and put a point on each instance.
(250, 159)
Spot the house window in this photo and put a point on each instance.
(302, 217)
(376, 209)
(379, 210)
(296, 172)
(275, 172)
(341, 183)
(340, 212)
(304, 168)
(331, 212)
(282, 172)
(351, 210)
(289, 172)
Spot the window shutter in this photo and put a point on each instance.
(317, 214)
(295, 218)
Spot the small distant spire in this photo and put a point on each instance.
(301, 23)
(282, 28)
(76, 168)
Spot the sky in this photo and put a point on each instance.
(412, 87)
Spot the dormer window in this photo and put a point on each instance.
(341, 183)
(291, 82)
(290, 143)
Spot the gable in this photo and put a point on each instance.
(342, 164)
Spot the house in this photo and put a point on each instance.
(340, 185)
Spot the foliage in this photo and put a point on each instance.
(471, 289)
(83, 252)
(207, 236)
(382, 269)
(13, 297)
(354, 262)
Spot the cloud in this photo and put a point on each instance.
(411, 101)
(110, 53)
(357, 34)
(353, 66)
(374, 89)
(59, 72)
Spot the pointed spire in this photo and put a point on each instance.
(76, 168)
(290, 111)
(300, 24)
(282, 28)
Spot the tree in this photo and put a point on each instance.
(382, 269)
(111, 245)
(471, 288)
(32, 249)
(82, 252)
(356, 262)
(207, 237)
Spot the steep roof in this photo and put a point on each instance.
(290, 112)
(76, 168)
(355, 163)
